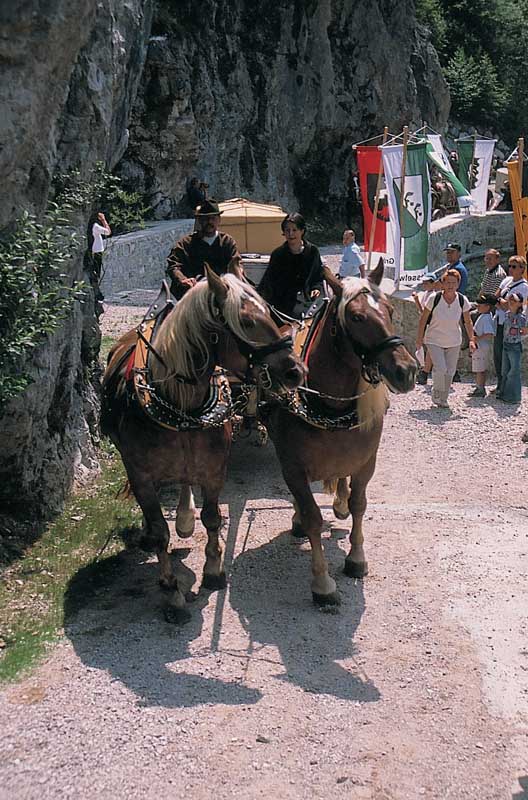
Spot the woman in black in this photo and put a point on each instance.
(295, 271)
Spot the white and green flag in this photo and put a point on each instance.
(437, 156)
(474, 159)
(410, 234)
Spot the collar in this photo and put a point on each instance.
(210, 239)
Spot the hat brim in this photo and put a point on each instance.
(209, 214)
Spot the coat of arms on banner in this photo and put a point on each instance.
(415, 204)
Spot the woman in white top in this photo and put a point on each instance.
(439, 328)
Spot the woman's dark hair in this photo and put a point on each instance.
(89, 233)
(296, 219)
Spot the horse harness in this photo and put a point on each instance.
(307, 404)
(219, 407)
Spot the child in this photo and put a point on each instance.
(514, 327)
(430, 284)
(352, 262)
(484, 330)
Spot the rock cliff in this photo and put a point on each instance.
(265, 99)
(70, 70)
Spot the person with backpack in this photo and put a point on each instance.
(439, 329)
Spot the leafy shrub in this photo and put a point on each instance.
(102, 192)
(477, 95)
(34, 293)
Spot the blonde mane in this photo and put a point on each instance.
(373, 401)
(183, 339)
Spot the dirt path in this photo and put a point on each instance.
(417, 687)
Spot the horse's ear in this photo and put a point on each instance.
(216, 285)
(376, 276)
(333, 281)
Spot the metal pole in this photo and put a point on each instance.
(402, 188)
(376, 203)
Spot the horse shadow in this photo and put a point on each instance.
(113, 618)
(279, 612)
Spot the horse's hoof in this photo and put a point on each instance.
(331, 599)
(185, 534)
(177, 616)
(355, 569)
(341, 515)
(297, 531)
(214, 582)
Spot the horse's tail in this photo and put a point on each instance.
(114, 383)
(330, 486)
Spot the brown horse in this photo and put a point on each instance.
(221, 321)
(332, 431)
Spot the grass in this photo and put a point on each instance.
(32, 590)
(107, 342)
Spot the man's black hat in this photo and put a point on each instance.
(209, 208)
(452, 246)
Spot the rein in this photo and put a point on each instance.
(219, 406)
(294, 403)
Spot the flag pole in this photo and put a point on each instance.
(402, 188)
(376, 202)
(472, 162)
(520, 156)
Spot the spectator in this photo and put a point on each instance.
(439, 328)
(96, 231)
(494, 273)
(514, 328)
(352, 262)
(195, 193)
(452, 251)
(484, 330)
(515, 282)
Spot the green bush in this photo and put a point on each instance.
(34, 293)
(477, 95)
(102, 192)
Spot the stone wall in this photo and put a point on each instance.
(474, 233)
(138, 260)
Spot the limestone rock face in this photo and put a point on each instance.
(265, 99)
(70, 69)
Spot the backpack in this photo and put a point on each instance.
(436, 300)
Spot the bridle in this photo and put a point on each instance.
(370, 369)
(254, 353)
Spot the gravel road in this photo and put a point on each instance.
(417, 687)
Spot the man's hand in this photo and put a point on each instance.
(188, 282)
(314, 293)
(472, 346)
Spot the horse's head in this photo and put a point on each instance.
(248, 342)
(363, 316)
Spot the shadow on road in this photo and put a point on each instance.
(113, 617)
(113, 609)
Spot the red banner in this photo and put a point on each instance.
(368, 161)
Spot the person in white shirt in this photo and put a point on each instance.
(352, 262)
(99, 229)
(439, 328)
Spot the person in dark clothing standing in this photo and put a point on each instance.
(187, 259)
(295, 272)
(195, 193)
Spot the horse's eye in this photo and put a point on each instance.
(357, 318)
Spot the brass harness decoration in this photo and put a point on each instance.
(219, 407)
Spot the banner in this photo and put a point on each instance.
(437, 156)
(409, 235)
(474, 158)
(520, 206)
(368, 161)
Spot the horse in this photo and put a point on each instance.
(220, 321)
(330, 430)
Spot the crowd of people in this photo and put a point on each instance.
(494, 325)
